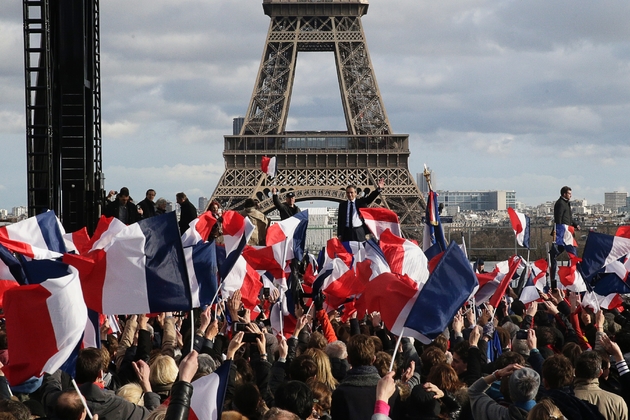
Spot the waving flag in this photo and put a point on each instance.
(55, 316)
(201, 263)
(404, 257)
(565, 238)
(433, 233)
(106, 229)
(536, 281)
(268, 165)
(37, 237)
(600, 250)
(208, 394)
(379, 219)
(142, 270)
(570, 276)
(448, 288)
(78, 242)
(515, 263)
(247, 279)
(11, 273)
(607, 291)
(623, 231)
(520, 225)
(199, 229)
(236, 232)
(292, 232)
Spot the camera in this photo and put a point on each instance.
(266, 293)
(521, 335)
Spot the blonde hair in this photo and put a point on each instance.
(324, 370)
(163, 370)
(158, 414)
(132, 392)
(545, 410)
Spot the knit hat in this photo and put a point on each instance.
(524, 384)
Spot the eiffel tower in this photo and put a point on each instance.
(319, 165)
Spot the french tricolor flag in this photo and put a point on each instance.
(268, 165)
(37, 237)
(570, 277)
(536, 281)
(607, 291)
(201, 264)
(45, 323)
(11, 273)
(379, 219)
(404, 257)
(245, 278)
(236, 232)
(142, 270)
(199, 229)
(106, 229)
(291, 232)
(565, 238)
(77, 242)
(520, 225)
(600, 250)
(208, 394)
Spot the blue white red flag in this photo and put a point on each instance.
(536, 281)
(236, 232)
(600, 250)
(607, 290)
(208, 394)
(520, 225)
(244, 277)
(199, 229)
(142, 270)
(269, 166)
(570, 277)
(404, 257)
(433, 233)
(201, 264)
(77, 242)
(106, 229)
(291, 233)
(515, 263)
(37, 237)
(55, 316)
(565, 238)
(448, 288)
(379, 219)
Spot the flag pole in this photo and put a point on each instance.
(192, 336)
(391, 365)
(76, 387)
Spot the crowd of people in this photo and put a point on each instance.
(544, 361)
(550, 359)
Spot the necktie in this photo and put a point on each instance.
(352, 210)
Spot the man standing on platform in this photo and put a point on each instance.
(188, 212)
(288, 208)
(147, 205)
(562, 215)
(350, 226)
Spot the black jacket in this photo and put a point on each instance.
(148, 208)
(284, 210)
(187, 214)
(179, 406)
(359, 203)
(562, 214)
(111, 210)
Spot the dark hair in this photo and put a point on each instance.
(180, 195)
(360, 350)
(296, 397)
(148, 191)
(588, 365)
(382, 362)
(444, 377)
(302, 368)
(246, 400)
(124, 192)
(351, 186)
(15, 408)
(249, 203)
(572, 351)
(317, 341)
(430, 357)
(89, 365)
(564, 190)
(462, 350)
(69, 406)
(557, 371)
(518, 307)
(508, 358)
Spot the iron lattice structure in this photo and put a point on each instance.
(319, 165)
(63, 110)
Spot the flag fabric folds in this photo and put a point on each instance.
(236, 232)
(446, 290)
(536, 281)
(565, 238)
(37, 237)
(379, 219)
(292, 232)
(600, 250)
(142, 270)
(208, 394)
(201, 264)
(45, 323)
(520, 225)
(269, 166)
(570, 277)
(404, 257)
(199, 229)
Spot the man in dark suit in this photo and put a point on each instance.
(188, 212)
(350, 226)
(122, 208)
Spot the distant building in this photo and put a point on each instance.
(3, 213)
(169, 206)
(237, 124)
(478, 200)
(422, 181)
(615, 200)
(320, 229)
(19, 211)
(203, 203)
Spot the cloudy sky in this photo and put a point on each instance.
(504, 94)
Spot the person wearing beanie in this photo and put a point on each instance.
(523, 384)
